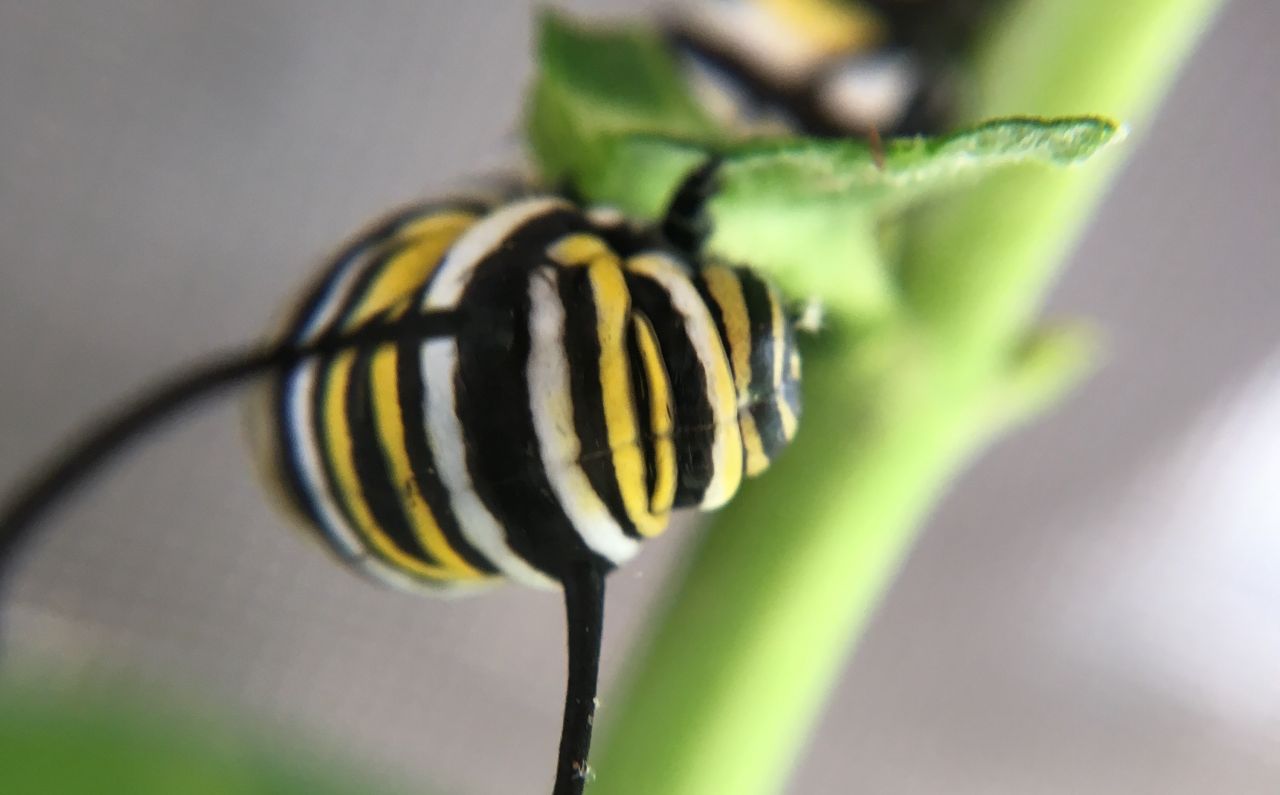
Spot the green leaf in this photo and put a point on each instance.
(597, 86)
(803, 168)
(798, 208)
(782, 171)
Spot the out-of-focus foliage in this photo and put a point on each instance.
(73, 744)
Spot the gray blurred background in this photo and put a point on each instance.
(1095, 608)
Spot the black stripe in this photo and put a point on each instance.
(388, 251)
(290, 470)
(364, 282)
(694, 431)
(717, 316)
(643, 408)
(763, 389)
(582, 349)
(413, 410)
(324, 371)
(342, 260)
(382, 494)
(492, 388)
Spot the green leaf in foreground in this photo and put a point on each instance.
(798, 207)
(99, 745)
(800, 168)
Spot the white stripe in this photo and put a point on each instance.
(551, 404)
(444, 434)
(326, 311)
(299, 388)
(475, 244)
(726, 447)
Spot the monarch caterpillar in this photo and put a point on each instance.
(522, 391)
(415, 498)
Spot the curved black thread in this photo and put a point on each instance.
(584, 611)
(114, 433)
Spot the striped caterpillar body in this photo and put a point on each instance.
(598, 380)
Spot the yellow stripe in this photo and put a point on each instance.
(730, 465)
(727, 450)
(757, 461)
(726, 291)
(578, 249)
(340, 455)
(648, 513)
(660, 416)
(830, 27)
(386, 410)
(422, 244)
(613, 306)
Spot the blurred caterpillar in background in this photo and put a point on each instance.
(826, 67)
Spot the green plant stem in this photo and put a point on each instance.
(754, 635)
(976, 267)
(758, 629)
